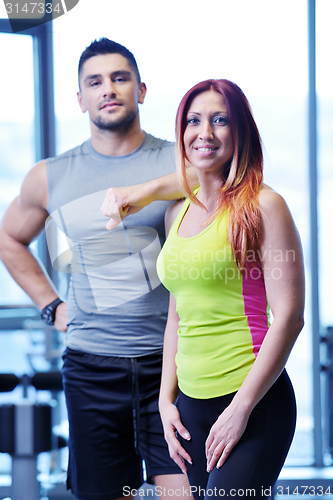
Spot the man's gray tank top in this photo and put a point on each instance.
(116, 303)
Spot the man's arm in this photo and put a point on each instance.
(124, 201)
(22, 222)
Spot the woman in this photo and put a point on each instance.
(232, 253)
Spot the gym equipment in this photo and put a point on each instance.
(26, 430)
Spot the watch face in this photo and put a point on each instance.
(48, 315)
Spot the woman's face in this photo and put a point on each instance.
(207, 138)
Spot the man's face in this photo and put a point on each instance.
(110, 92)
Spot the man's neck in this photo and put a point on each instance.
(116, 142)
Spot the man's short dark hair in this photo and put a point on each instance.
(106, 46)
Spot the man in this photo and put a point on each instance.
(116, 309)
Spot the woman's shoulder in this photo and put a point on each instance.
(270, 200)
(274, 209)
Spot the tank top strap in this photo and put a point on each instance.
(179, 217)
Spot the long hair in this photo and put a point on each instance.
(241, 177)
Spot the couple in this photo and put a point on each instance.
(235, 411)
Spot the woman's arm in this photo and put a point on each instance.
(169, 383)
(123, 201)
(282, 263)
(169, 391)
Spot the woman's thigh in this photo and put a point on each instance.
(256, 461)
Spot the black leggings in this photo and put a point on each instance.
(253, 466)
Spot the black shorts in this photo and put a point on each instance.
(254, 464)
(114, 423)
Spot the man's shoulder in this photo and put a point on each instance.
(154, 143)
(81, 150)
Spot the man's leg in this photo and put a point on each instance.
(103, 464)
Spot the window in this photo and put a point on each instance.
(325, 205)
(17, 135)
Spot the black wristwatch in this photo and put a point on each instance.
(48, 313)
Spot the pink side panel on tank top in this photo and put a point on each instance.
(255, 302)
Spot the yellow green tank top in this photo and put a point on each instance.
(223, 313)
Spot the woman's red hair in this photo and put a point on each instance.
(242, 176)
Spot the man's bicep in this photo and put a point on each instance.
(21, 223)
(26, 215)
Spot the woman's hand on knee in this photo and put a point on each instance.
(223, 436)
(172, 425)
